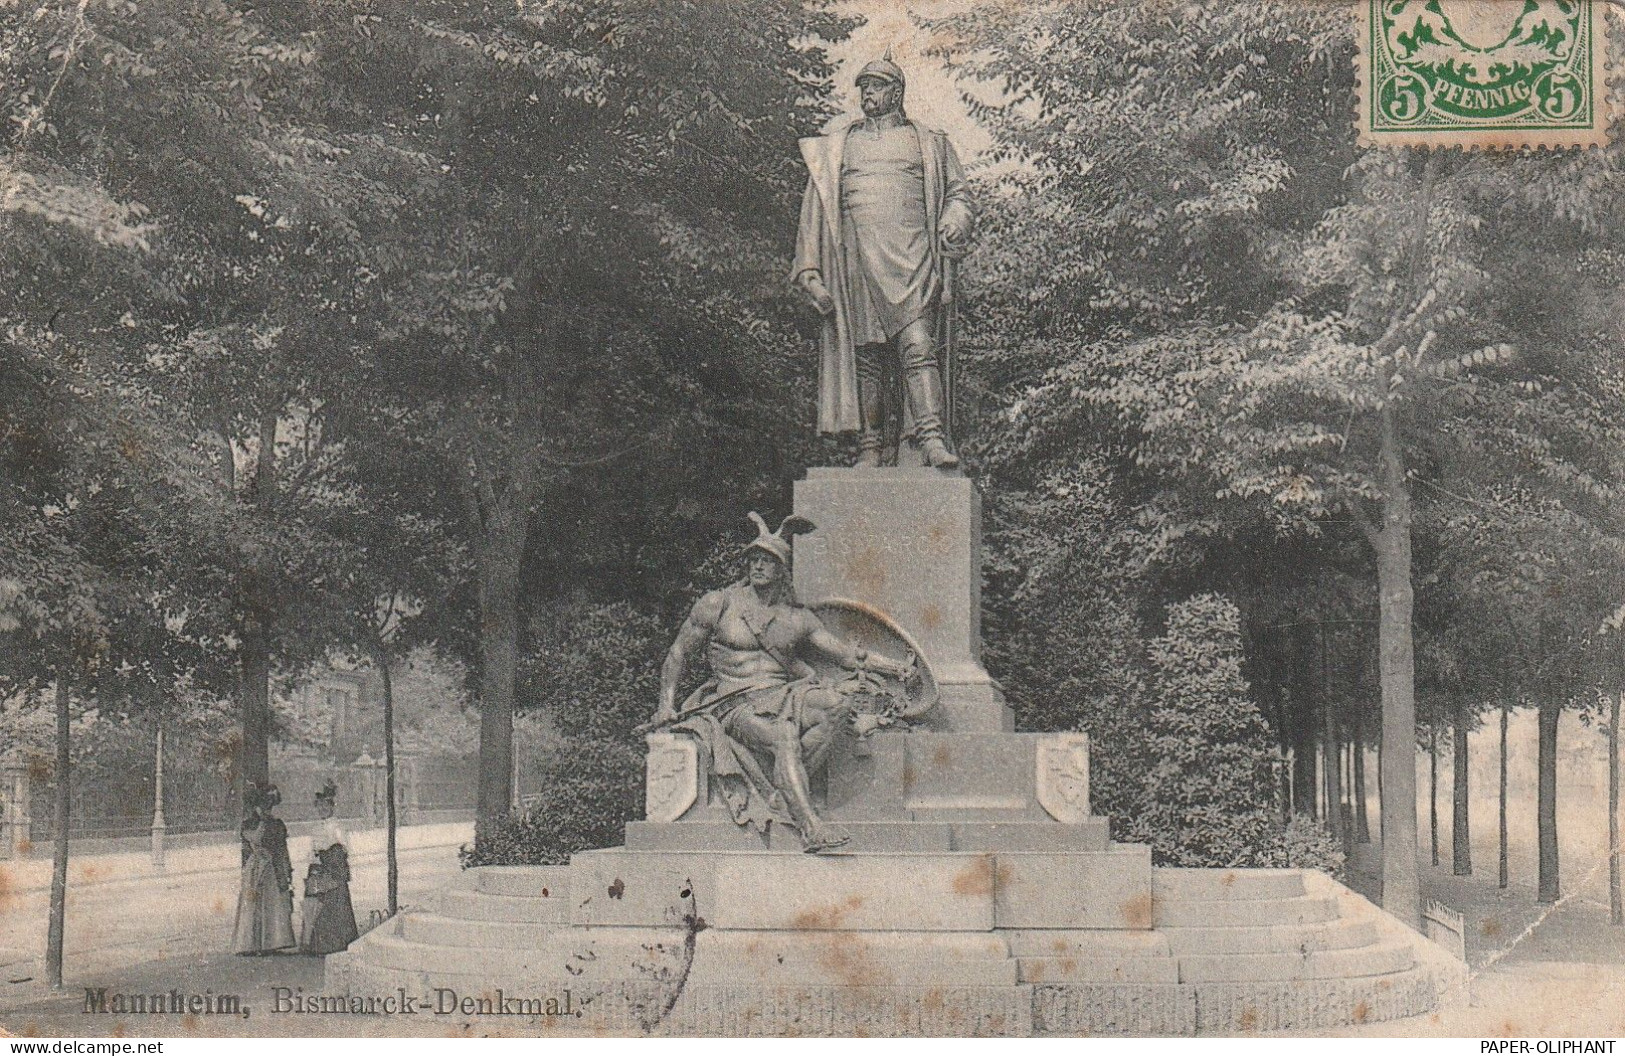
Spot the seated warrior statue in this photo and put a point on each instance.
(763, 701)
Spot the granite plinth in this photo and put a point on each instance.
(909, 543)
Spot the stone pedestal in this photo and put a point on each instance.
(978, 894)
(909, 543)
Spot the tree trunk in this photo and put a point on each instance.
(499, 651)
(1381, 794)
(1433, 791)
(1501, 878)
(1616, 910)
(59, 852)
(1303, 727)
(1461, 844)
(1551, 711)
(1362, 820)
(1401, 874)
(254, 760)
(1332, 750)
(392, 865)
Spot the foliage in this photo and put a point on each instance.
(592, 788)
(595, 670)
(1304, 843)
(1061, 628)
(1209, 794)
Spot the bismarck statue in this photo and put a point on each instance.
(765, 719)
(884, 220)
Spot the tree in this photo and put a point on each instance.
(547, 125)
(1355, 367)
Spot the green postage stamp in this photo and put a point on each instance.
(1483, 73)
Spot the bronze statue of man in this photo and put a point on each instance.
(885, 216)
(763, 701)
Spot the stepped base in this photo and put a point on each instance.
(629, 941)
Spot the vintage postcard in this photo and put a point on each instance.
(812, 518)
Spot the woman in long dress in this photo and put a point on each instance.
(265, 900)
(329, 915)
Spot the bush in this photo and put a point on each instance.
(1304, 843)
(593, 787)
(1211, 768)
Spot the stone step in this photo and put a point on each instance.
(536, 881)
(565, 954)
(1249, 913)
(1060, 942)
(483, 905)
(434, 929)
(1340, 934)
(719, 957)
(1269, 967)
(1221, 885)
(1097, 970)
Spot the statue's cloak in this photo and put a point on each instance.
(818, 248)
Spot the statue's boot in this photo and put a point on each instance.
(926, 405)
(871, 409)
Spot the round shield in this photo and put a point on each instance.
(872, 630)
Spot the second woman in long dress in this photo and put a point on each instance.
(329, 915)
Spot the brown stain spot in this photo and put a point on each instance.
(218, 906)
(941, 756)
(1069, 965)
(1137, 911)
(866, 571)
(617, 888)
(39, 770)
(932, 1001)
(1384, 984)
(1362, 1012)
(189, 1022)
(1227, 880)
(5, 887)
(846, 956)
(931, 617)
(982, 876)
(1490, 928)
(827, 918)
(25, 846)
(1035, 972)
(1249, 1019)
(1059, 945)
(118, 1030)
(90, 872)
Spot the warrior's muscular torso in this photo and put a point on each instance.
(739, 658)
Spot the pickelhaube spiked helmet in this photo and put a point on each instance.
(885, 68)
(777, 543)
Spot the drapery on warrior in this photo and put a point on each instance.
(764, 720)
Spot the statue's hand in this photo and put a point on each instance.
(812, 284)
(864, 723)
